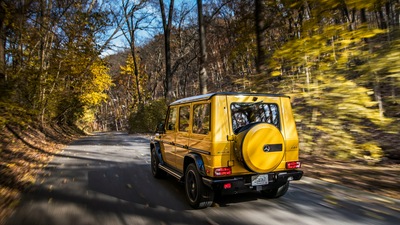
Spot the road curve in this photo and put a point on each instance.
(105, 178)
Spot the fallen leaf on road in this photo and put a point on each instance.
(129, 186)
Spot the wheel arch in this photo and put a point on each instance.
(157, 148)
(197, 160)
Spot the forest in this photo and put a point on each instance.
(103, 65)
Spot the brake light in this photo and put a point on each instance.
(222, 171)
(227, 186)
(293, 165)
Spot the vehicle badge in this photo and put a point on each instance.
(266, 148)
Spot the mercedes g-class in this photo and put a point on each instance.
(228, 143)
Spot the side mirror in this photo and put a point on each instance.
(160, 128)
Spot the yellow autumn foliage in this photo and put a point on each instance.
(336, 71)
(95, 87)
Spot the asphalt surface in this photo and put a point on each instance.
(106, 178)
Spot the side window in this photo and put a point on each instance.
(184, 113)
(201, 118)
(171, 119)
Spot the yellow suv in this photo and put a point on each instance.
(228, 143)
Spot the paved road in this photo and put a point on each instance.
(105, 179)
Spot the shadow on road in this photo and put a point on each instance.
(97, 181)
(135, 184)
(110, 139)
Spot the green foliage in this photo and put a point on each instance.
(146, 118)
(69, 110)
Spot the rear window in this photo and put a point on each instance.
(248, 113)
(201, 118)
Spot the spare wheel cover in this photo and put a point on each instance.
(263, 148)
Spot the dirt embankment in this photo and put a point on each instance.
(25, 151)
(381, 179)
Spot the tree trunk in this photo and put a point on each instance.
(167, 24)
(2, 50)
(135, 69)
(363, 16)
(378, 95)
(261, 35)
(203, 51)
(131, 30)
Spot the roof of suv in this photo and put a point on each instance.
(208, 96)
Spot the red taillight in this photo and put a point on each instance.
(293, 165)
(222, 171)
(227, 186)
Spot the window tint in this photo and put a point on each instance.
(184, 113)
(201, 118)
(171, 119)
(247, 113)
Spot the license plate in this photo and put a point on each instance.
(258, 180)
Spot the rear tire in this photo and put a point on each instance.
(276, 192)
(155, 170)
(198, 195)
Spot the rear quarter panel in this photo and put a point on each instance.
(289, 131)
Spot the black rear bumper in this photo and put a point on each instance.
(241, 184)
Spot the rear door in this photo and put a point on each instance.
(182, 135)
(200, 141)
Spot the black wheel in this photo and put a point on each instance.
(155, 170)
(276, 192)
(198, 195)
